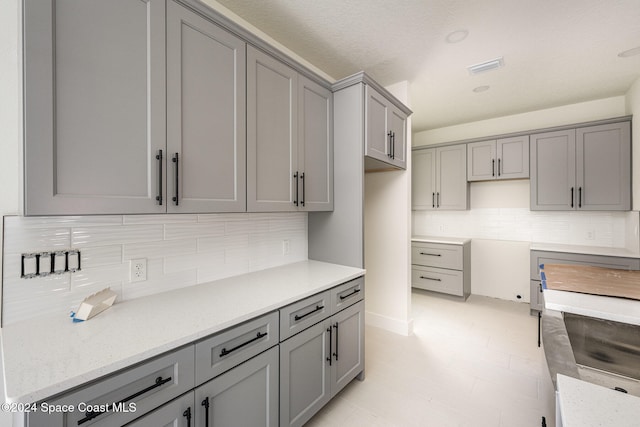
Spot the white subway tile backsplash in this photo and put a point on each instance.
(181, 250)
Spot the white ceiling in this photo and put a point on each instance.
(556, 52)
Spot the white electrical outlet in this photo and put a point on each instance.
(138, 270)
(591, 235)
(286, 247)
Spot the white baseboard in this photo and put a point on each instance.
(396, 326)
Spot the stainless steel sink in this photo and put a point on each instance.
(594, 350)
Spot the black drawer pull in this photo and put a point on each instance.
(427, 253)
(205, 403)
(187, 414)
(89, 415)
(343, 297)
(431, 278)
(299, 317)
(259, 335)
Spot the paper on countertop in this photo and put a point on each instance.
(95, 304)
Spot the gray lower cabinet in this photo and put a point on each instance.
(439, 179)
(587, 168)
(206, 141)
(177, 413)
(289, 138)
(246, 395)
(86, 150)
(505, 158)
(318, 361)
(441, 267)
(125, 396)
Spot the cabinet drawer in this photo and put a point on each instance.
(347, 294)
(437, 279)
(225, 350)
(544, 257)
(173, 414)
(437, 255)
(136, 391)
(302, 314)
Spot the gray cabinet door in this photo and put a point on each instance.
(315, 149)
(423, 179)
(94, 106)
(481, 161)
(305, 385)
(245, 396)
(272, 146)
(177, 413)
(603, 167)
(452, 189)
(513, 157)
(205, 115)
(376, 127)
(397, 121)
(348, 346)
(553, 170)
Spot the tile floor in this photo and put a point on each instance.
(473, 363)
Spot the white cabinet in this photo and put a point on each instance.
(439, 178)
(206, 139)
(289, 138)
(442, 267)
(505, 158)
(317, 362)
(586, 168)
(94, 106)
(386, 131)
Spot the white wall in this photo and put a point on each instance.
(387, 218)
(499, 219)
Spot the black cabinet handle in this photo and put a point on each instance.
(393, 145)
(259, 335)
(389, 141)
(571, 196)
(355, 291)
(159, 196)
(438, 200)
(433, 200)
(429, 254)
(303, 189)
(329, 329)
(187, 414)
(205, 403)
(300, 317)
(493, 167)
(499, 167)
(336, 352)
(579, 197)
(431, 278)
(295, 200)
(177, 180)
(89, 415)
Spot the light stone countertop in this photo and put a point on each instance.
(583, 404)
(588, 250)
(610, 308)
(45, 356)
(440, 239)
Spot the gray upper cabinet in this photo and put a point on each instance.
(439, 178)
(505, 158)
(206, 142)
(587, 168)
(385, 131)
(289, 138)
(94, 94)
(315, 148)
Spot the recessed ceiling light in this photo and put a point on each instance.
(457, 36)
(481, 89)
(486, 66)
(630, 52)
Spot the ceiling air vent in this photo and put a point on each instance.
(486, 66)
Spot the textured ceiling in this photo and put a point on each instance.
(556, 52)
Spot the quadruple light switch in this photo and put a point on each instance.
(41, 264)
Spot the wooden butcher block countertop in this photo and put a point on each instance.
(591, 280)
